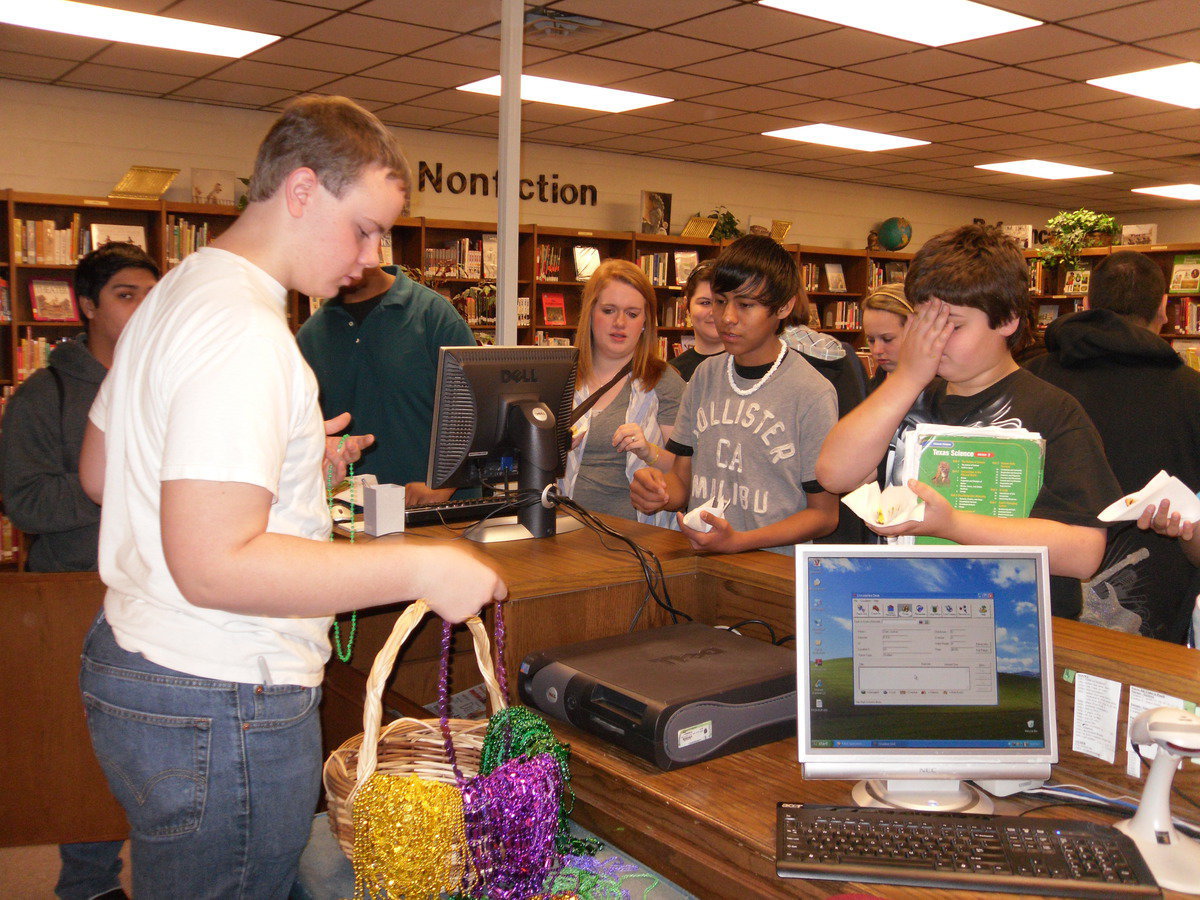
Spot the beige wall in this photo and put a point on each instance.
(62, 140)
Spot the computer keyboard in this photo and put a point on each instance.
(469, 510)
(1050, 857)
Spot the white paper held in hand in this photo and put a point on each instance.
(893, 505)
(1161, 487)
(715, 506)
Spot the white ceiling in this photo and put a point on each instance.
(734, 70)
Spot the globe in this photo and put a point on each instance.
(895, 233)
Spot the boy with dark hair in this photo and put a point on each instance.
(1110, 358)
(202, 675)
(970, 289)
(39, 474)
(752, 419)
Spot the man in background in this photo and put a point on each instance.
(374, 349)
(1146, 405)
(39, 474)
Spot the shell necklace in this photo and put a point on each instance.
(746, 392)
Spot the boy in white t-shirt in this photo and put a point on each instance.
(202, 675)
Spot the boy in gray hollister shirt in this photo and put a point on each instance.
(752, 420)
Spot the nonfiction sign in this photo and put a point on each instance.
(544, 188)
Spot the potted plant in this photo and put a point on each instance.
(1070, 232)
(727, 224)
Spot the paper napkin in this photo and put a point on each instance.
(894, 505)
(1161, 487)
(693, 521)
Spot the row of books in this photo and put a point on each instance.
(675, 314)
(842, 315)
(1189, 351)
(542, 339)
(463, 258)
(892, 271)
(657, 267)
(1184, 315)
(5, 303)
(183, 237)
(41, 242)
(32, 354)
(522, 311)
(548, 263)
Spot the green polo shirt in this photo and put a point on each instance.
(383, 372)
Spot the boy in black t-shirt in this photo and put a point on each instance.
(970, 289)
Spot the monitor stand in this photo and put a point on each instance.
(923, 795)
(499, 529)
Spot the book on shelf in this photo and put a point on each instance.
(1022, 234)
(548, 263)
(895, 271)
(1185, 274)
(876, 278)
(1144, 234)
(183, 237)
(811, 274)
(835, 278)
(386, 255)
(554, 309)
(490, 246)
(993, 471)
(5, 303)
(663, 346)
(522, 311)
(1184, 315)
(587, 260)
(1077, 281)
(685, 262)
(42, 242)
(52, 300)
(1047, 313)
(105, 232)
(842, 315)
(1037, 276)
(1189, 352)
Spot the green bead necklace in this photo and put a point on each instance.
(343, 655)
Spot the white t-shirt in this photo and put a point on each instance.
(208, 384)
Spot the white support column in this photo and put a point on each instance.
(512, 26)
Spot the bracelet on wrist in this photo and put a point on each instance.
(657, 453)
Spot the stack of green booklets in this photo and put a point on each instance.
(991, 471)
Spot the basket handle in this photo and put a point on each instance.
(381, 669)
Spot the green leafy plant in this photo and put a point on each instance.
(477, 304)
(727, 224)
(1070, 232)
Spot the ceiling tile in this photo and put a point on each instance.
(632, 143)
(1081, 132)
(426, 71)
(926, 64)
(824, 111)
(909, 96)
(1168, 117)
(468, 15)
(36, 42)
(749, 142)
(750, 26)
(686, 111)
(154, 59)
(997, 142)
(949, 132)
(697, 152)
(1188, 133)
(1120, 107)
(695, 133)
(649, 46)
(233, 94)
(677, 85)
(746, 67)
(624, 123)
(91, 75)
(312, 55)
(485, 125)
(969, 110)
(833, 83)
(1023, 46)
(805, 167)
(1185, 45)
(374, 34)
(356, 87)
(479, 51)
(264, 74)
(1055, 96)
(27, 67)
(405, 114)
(843, 47)
(1002, 80)
(462, 101)
(553, 114)
(269, 16)
(1028, 121)
(1152, 19)
(890, 123)
(568, 134)
(1115, 60)
(1132, 142)
(754, 99)
(752, 123)
(754, 160)
(643, 13)
(580, 67)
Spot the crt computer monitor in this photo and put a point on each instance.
(920, 667)
(503, 402)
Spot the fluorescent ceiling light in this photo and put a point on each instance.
(1039, 168)
(1175, 191)
(931, 22)
(85, 20)
(569, 93)
(850, 138)
(1178, 84)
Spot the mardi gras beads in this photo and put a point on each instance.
(343, 655)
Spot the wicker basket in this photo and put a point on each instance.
(406, 746)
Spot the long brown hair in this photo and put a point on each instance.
(647, 365)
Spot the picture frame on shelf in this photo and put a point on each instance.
(52, 300)
(587, 260)
(685, 262)
(117, 233)
(1077, 281)
(656, 212)
(554, 309)
(835, 278)
(215, 187)
(1139, 235)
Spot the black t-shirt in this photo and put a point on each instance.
(1078, 482)
(685, 363)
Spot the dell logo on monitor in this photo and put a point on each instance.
(520, 376)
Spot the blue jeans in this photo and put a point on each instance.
(88, 869)
(219, 779)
